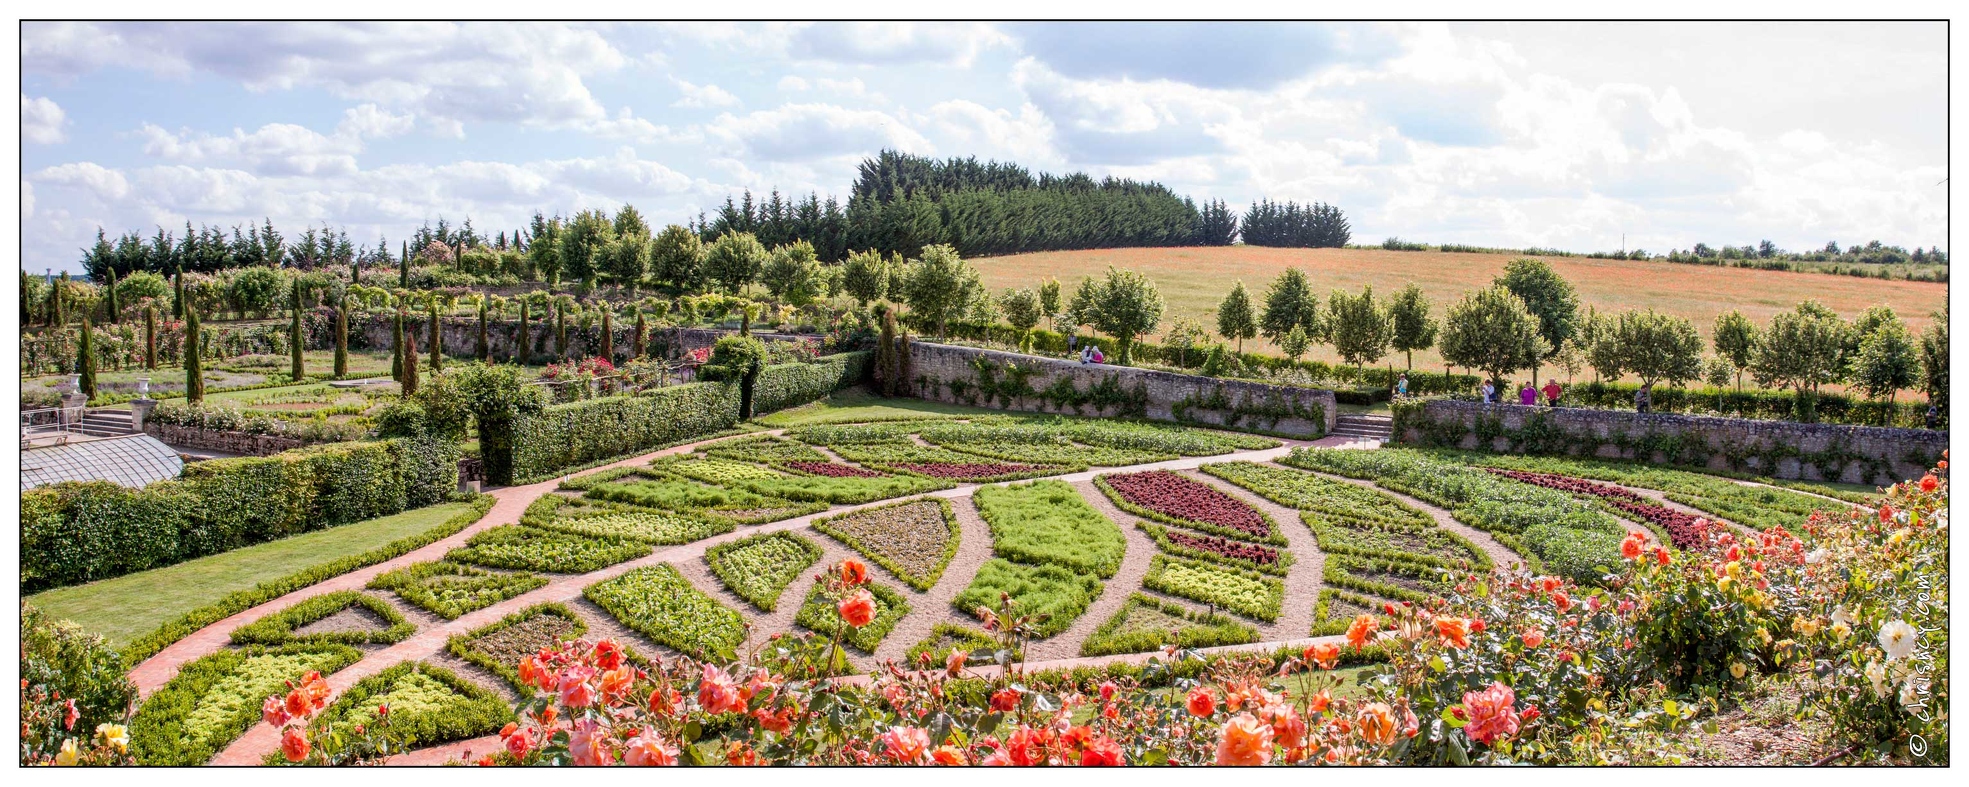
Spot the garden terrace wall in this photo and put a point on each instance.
(1783, 449)
(1014, 381)
(461, 336)
(240, 443)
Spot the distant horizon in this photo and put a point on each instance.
(1501, 135)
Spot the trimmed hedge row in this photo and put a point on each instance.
(279, 628)
(428, 705)
(242, 600)
(217, 698)
(76, 532)
(582, 433)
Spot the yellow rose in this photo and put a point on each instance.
(1805, 626)
(1737, 669)
(1733, 570)
(1723, 584)
(1764, 636)
(1840, 630)
(69, 753)
(1898, 536)
(115, 735)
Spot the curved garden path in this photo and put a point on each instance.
(927, 608)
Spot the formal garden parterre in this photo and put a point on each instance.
(1216, 574)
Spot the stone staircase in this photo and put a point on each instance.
(1359, 427)
(105, 423)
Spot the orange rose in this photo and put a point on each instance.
(1318, 702)
(858, 609)
(616, 682)
(1005, 700)
(1534, 638)
(649, 749)
(1378, 724)
(297, 704)
(949, 755)
(1288, 729)
(608, 655)
(294, 744)
(854, 572)
(1202, 702)
(741, 753)
(273, 711)
(1324, 654)
(1631, 548)
(1244, 741)
(1101, 751)
(1361, 629)
(716, 692)
(1454, 631)
(906, 745)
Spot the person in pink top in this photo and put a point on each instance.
(1527, 395)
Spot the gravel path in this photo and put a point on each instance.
(929, 609)
(1499, 554)
(1114, 593)
(1304, 579)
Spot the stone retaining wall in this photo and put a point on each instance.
(1782, 449)
(229, 442)
(990, 378)
(461, 337)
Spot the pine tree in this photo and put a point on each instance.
(342, 338)
(295, 370)
(194, 375)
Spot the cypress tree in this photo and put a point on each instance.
(485, 348)
(608, 335)
(403, 266)
(409, 381)
(60, 297)
(150, 337)
(437, 339)
(560, 331)
(342, 337)
(178, 296)
(524, 350)
(115, 309)
(355, 272)
(85, 358)
(396, 347)
(194, 376)
(642, 329)
(296, 363)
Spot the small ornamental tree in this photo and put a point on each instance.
(1549, 297)
(410, 373)
(1600, 341)
(1184, 336)
(1357, 328)
(1126, 306)
(637, 345)
(1802, 349)
(1887, 363)
(1295, 343)
(792, 274)
(1657, 347)
(1934, 361)
(941, 287)
(1492, 331)
(1735, 341)
(497, 397)
(484, 348)
(1235, 319)
(112, 309)
(1289, 302)
(396, 346)
(1049, 300)
(1021, 309)
(865, 277)
(1411, 326)
(608, 333)
(194, 375)
(677, 256)
(733, 261)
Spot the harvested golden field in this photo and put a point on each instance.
(1194, 279)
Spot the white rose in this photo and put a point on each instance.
(1911, 693)
(1876, 673)
(1897, 638)
(1816, 556)
(1841, 615)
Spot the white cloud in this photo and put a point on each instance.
(88, 176)
(449, 73)
(793, 84)
(273, 149)
(42, 121)
(801, 132)
(27, 199)
(702, 96)
(369, 120)
(894, 43)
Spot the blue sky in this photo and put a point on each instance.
(1507, 134)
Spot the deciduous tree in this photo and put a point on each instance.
(1357, 327)
(1126, 306)
(1492, 331)
(1735, 341)
(1235, 319)
(1411, 326)
(1549, 297)
(1288, 302)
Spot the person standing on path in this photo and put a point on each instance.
(1641, 397)
(1489, 393)
(1401, 386)
(1527, 396)
(1552, 392)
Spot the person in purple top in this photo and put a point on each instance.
(1527, 395)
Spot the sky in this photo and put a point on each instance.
(1567, 135)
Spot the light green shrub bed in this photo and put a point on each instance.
(1247, 593)
(449, 590)
(1146, 624)
(760, 567)
(661, 604)
(1060, 593)
(1049, 522)
(215, 699)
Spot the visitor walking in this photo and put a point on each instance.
(1401, 386)
(1641, 397)
(1552, 391)
(1490, 393)
(1527, 395)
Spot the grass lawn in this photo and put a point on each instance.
(855, 404)
(1194, 279)
(133, 605)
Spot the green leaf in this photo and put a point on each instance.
(1449, 717)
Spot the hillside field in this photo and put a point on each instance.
(1194, 279)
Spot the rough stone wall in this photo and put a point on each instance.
(229, 442)
(949, 374)
(1782, 449)
(461, 337)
